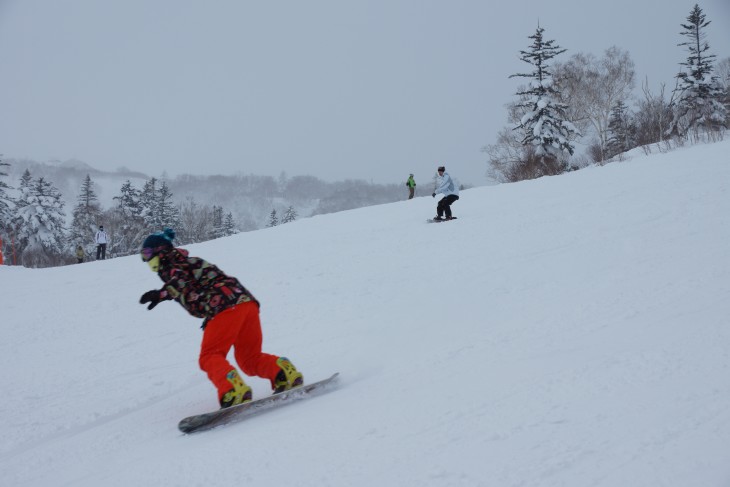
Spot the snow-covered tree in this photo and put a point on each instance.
(158, 209)
(148, 203)
(86, 217)
(290, 215)
(169, 215)
(6, 201)
(196, 222)
(723, 76)
(592, 87)
(129, 228)
(544, 126)
(229, 225)
(699, 97)
(217, 230)
(622, 131)
(39, 223)
(273, 219)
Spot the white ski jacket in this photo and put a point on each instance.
(446, 185)
(101, 237)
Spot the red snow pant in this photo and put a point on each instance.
(238, 327)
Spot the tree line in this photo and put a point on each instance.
(585, 98)
(37, 229)
(34, 221)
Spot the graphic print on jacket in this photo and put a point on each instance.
(199, 286)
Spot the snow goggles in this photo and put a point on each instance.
(147, 253)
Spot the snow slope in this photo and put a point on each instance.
(567, 331)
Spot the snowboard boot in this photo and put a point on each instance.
(287, 377)
(239, 394)
(438, 219)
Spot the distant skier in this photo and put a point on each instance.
(411, 183)
(231, 319)
(446, 186)
(101, 240)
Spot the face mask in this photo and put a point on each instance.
(154, 263)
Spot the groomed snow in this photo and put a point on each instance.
(568, 331)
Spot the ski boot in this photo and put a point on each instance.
(287, 377)
(239, 394)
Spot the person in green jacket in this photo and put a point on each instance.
(411, 183)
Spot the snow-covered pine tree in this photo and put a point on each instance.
(148, 202)
(698, 93)
(544, 125)
(273, 219)
(217, 230)
(169, 214)
(723, 70)
(290, 215)
(86, 215)
(39, 224)
(622, 130)
(130, 229)
(24, 190)
(229, 225)
(6, 201)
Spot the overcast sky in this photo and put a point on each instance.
(336, 89)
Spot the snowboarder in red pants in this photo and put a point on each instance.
(231, 319)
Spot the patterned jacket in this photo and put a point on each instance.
(199, 286)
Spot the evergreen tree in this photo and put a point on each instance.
(148, 203)
(229, 226)
(699, 95)
(6, 205)
(290, 215)
(6, 201)
(273, 219)
(723, 70)
(22, 200)
(39, 224)
(130, 229)
(544, 126)
(217, 230)
(169, 214)
(622, 130)
(86, 215)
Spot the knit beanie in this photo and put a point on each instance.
(159, 240)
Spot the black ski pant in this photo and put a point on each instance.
(101, 251)
(444, 206)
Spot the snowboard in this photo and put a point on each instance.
(431, 220)
(206, 421)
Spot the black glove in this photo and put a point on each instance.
(433, 195)
(152, 297)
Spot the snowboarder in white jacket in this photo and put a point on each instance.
(101, 241)
(447, 187)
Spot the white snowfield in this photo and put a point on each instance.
(568, 331)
